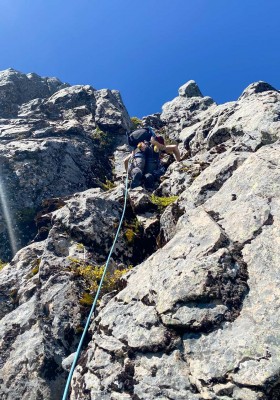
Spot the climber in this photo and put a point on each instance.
(145, 163)
(146, 133)
(153, 168)
(136, 167)
(141, 134)
(145, 167)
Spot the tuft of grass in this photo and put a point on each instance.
(86, 299)
(35, 270)
(163, 202)
(185, 169)
(2, 264)
(132, 229)
(135, 122)
(129, 234)
(105, 139)
(92, 275)
(80, 246)
(108, 185)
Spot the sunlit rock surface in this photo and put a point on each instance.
(57, 142)
(197, 317)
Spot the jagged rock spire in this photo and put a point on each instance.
(190, 89)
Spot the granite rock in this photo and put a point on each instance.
(197, 317)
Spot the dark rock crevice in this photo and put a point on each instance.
(231, 286)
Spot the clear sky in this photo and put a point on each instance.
(145, 48)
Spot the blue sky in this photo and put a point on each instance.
(145, 48)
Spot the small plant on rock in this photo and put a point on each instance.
(131, 230)
(35, 264)
(86, 299)
(163, 202)
(92, 275)
(135, 122)
(2, 264)
(105, 139)
(108, 185)
(80, 247)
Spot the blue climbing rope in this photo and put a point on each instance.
(96, 296)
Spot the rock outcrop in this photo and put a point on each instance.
(17, 88)
(185, 110)
(249, 123)
(52, 146)
(197, 317)
(200, 307)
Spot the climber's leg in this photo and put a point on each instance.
(149, 182)
(136, 177)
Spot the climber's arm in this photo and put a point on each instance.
(158, 145)
(170, 148)
(173, 148)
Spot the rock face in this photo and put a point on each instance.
(249, 123)
(17, 88)
(185, 110)
(198, 315)
(204, 306)
(52, 146)
(40, 307)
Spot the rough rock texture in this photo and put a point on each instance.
(185, 110)
(198, 315)
(17, 88)
(190, 89)
(154, 120)
(40, 309)
(249, 123)
(53, 146)
(207, 301)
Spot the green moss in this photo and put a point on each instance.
(184, 169)
(80, 247)
(35, 264)
(131, 230)
(35, 270)
(86, 299)
(135, 122)
(105, 143)
(108, 185)
(163, 202)
(129, 234)
(92, 275)
(2, 264)
(105, 139)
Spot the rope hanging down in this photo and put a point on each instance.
(96, 296)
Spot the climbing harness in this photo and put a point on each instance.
(96, 296)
